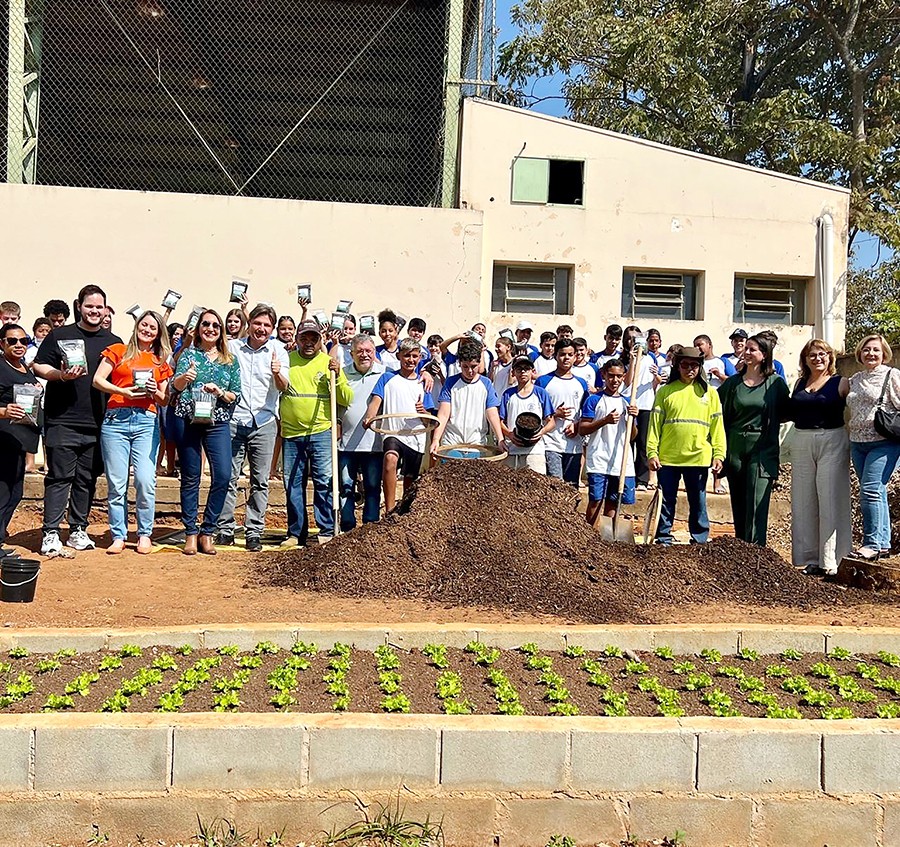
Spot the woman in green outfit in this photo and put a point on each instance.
(754, 403)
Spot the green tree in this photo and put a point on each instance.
(872, 302)
(806, 87)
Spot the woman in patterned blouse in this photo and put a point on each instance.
(207, 381)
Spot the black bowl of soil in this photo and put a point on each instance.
(527, 427)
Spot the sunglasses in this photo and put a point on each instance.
(21, 341)
(689, 364)
(210, 325)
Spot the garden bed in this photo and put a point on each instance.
(438, 679)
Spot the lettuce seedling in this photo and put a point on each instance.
(66, 653)
(612, 652)
(171, 701)
(118, 702)
(130, 651)
(563, 708)
(22, 687)
(890, 659)
(762, 698)
(664, 652)
(529, 648)
(636, 668)
(5, 667)
(796, 685)
(282, 699)
(888, 711)
(269, 648)
(184, 650)
(539, 663)
(56, 703)
(340, 649)
(838, 713)
(615, 704)
(389, 681)
(341, 704)
(783, 713)
(751, 683)
(683, 667)
(82, 683)
(164, 662)
(842, 654)
(436, 655)
(47, 666)
(574, 651)
(711, 655)
(791, 655)
(778, 671)
(697, 681)
(301, 648)
(18, 653)
(747, 655)
(249, 662)
(396, 703)
(110, 663)
(720, 704)
(817, 698)
(458, 707)
(228, 650)
(227, 701)
(386, 659)
(448, 685)
(872, 672)
(731, 671)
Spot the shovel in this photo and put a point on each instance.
(618, 528)
(335, 475)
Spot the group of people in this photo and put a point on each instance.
(244, 390)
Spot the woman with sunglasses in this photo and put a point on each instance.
(206, 372)
(16, 438)
(136, 377)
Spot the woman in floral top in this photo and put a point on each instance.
(207, 381)
(875, 458)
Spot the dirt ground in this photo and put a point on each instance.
(168, 588)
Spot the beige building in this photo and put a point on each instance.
(557, 223)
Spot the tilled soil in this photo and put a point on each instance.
(592, 681)
(475, 533)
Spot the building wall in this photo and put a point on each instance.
(650, 207)
(136, 245)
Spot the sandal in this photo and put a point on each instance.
(720, 489)
(867, 554)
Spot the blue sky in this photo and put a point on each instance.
(866, 251)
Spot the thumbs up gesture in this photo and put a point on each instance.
(276, 365)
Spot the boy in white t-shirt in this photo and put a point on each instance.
(525, 397)
(468, 404)
(545, 359)
(501, 371)
(603, 421)
(401, 392)
(588, 372)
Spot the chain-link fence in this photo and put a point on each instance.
(338, 100)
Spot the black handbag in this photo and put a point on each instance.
(887, 421)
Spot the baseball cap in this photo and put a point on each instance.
(309, 326)
(523, 325)
(522, 363)
(739, 333)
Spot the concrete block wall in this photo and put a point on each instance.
(493, 779)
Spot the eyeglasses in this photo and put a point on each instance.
(820, 355)
(689, 363)
(20, 341)
(210, 325)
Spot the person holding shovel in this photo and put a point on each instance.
(603, 421)
(686, 438)
(307, 431)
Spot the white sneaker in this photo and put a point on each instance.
(51, 545)
(79, 540)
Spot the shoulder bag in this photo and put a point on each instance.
(887, 420)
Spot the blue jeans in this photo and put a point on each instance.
(258, 445)
(215, 441)
(129, 437)
(695, 487)
(565, 466)
(312, 454)
(368, 465)
(875, 462)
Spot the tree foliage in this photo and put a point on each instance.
(872, 302)
(805, 87)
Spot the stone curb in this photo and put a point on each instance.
(684, 639)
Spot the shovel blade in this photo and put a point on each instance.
(607, 528)
(624, 531)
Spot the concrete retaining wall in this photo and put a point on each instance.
(496, 781)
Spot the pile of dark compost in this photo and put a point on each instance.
(475, 533)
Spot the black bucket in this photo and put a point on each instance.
(18, 579)
(527, 426)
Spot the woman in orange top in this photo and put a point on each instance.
(135, 376)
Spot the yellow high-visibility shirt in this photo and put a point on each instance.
(305, 407)
(686, 427)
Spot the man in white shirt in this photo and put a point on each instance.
(401, 393)
(254, 424)
(525, 397)
(523, 338)
(583, 368)
(359, 449)
(567, 393)
(468, 404)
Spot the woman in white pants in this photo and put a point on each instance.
(820, 464)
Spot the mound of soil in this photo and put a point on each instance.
(475, 533)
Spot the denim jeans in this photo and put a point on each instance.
(258, 444)
(368, 465)
(695, 487)
(129, 438)
(565, 466)
(215, 441)
(875, 462)
(312, 454)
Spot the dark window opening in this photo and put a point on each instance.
(566, 182)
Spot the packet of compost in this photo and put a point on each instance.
(204, 403)
(141, 376)
(304, 293)
(191, 323)
(322, 319)
(367, 324)
(337, 320)
(73, 354)
(401, 322)
(238, 290)
(134, 311)
(170, 301)
(343, 306)
(507, 332)
(29, 398)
